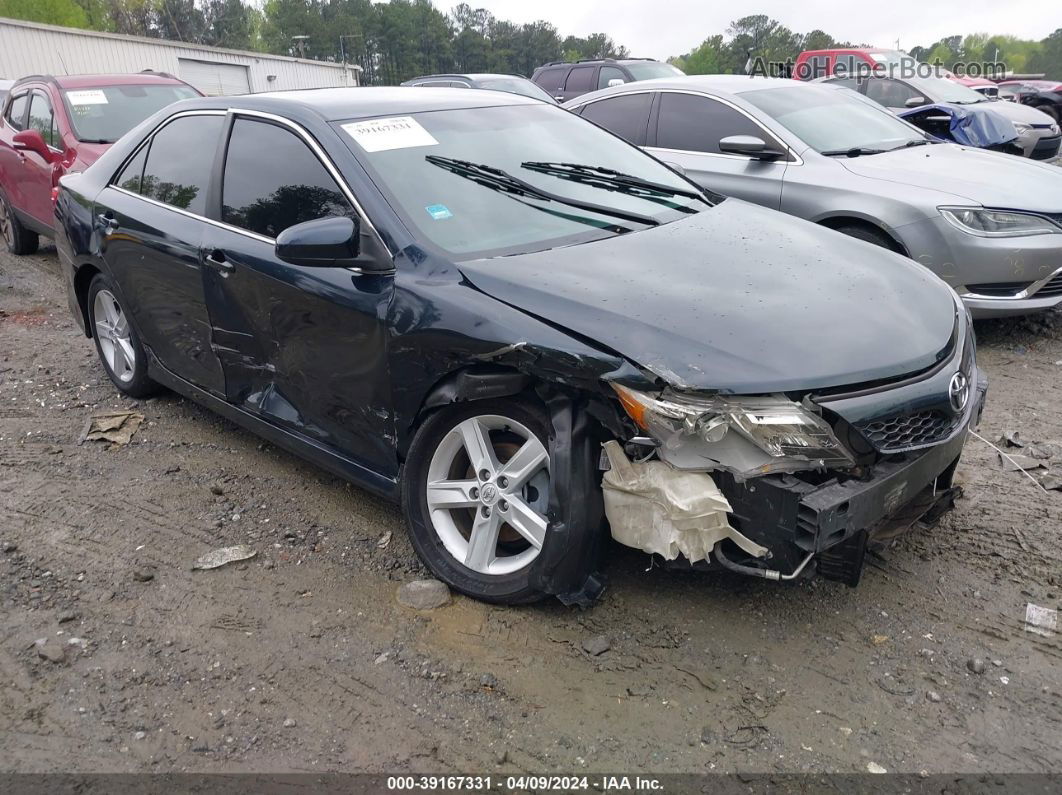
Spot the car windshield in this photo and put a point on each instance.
(474, 182)
(941, 89)
(833, 120)
(650, 70)
(524, 88)
(103, 115)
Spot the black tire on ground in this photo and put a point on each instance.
(869, 235)
(18, 239)
(510, 588)
(137, 384)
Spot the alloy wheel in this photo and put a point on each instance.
(488, 493)
(112, 330)
(6, 229)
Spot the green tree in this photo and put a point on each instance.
(51, 12)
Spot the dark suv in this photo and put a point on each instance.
(564, 81)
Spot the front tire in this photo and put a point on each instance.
(117, 344)
(18, 239)
(868, 235)
(475, 492)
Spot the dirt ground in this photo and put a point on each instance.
(302, 660)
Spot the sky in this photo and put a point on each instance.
(664, 28)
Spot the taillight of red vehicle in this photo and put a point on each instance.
(55, 196)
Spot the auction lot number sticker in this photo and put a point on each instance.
(397, 132)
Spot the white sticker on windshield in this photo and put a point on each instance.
(397, 132)
(91, 97)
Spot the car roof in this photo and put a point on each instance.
(717, 84)
(333, 104)
(467, 76)
(104, 80)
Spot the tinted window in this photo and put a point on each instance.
(16, 114)
(650, 70)
(289, 187)
(609, 73)
(847, 82)
(130, 176)
(890, 93)
(626, 116)
(551, 79)
(42, 119)
(697, 123)
(579, 79)
(180, 160)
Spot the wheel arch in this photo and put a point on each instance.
(871, 224)
(83, 276)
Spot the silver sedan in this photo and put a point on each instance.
(987, 223)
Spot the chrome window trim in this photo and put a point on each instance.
(308, 139)
(1028, 292)
(796, 161)
(51, 107)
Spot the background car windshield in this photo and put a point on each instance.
(832, 119)
(523, 87)
(469, 220)
(940, 89)
(650, 70)
(106, 114)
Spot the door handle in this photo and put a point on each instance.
(217, 259)
(107, 221)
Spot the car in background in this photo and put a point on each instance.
(514, 84)
(1038, 134)
(1029, 93)
(847, 61)
(988, 224)
(565, 81)
(455, 298)
(1041, 84)
(50, 126)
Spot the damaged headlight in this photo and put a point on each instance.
(993, 223)
(747, 435)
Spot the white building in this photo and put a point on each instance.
(28, 48)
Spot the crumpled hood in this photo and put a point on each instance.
(740, 299)
(991, 179)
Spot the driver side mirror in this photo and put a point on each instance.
(915, 102)
(616, 81)
(33, 141)
(749, 146)
(322, 243)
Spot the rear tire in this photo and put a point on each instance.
(117, 344)
(459, 504)
(18, 239)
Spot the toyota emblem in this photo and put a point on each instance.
(959, 392)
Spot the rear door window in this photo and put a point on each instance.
(551, 79)
(290, 187)
(890, 92)
(696, 124)
(580, 79)
(16, 114)
(626, 116)
(42, 119)
(180, 159)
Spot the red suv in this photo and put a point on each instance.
(54, 125)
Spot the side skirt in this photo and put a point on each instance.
(322, 456)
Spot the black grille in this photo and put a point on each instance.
(1046, 148)
(1052, 288)
(893, 434)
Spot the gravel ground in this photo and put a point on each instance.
(116, 656)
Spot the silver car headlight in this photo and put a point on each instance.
(997, 223)
(792, 437)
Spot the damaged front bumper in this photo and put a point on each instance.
(779, 522)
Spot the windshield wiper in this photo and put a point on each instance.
(916, 142)
(855, 151)
(610, 179)
(496, 179)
